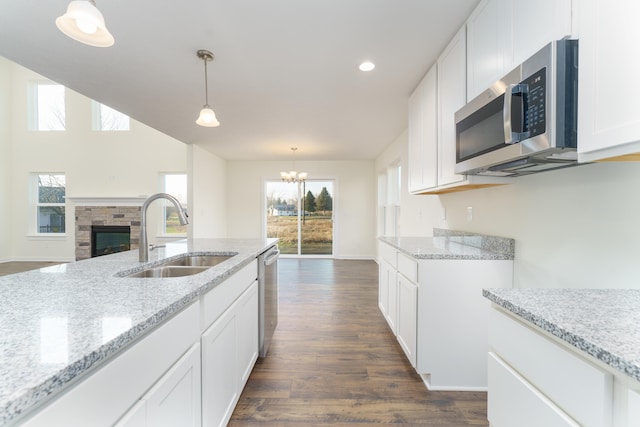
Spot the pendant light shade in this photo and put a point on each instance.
(207, 116)
(83, 22)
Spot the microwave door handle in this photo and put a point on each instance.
(511, 137)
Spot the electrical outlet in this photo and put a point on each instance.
(469, 213)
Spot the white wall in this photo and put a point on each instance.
(576, 227)
(207, 194)
(5, 159)
(96, 164)
(354, 200)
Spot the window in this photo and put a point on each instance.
(50, 203)
(389, 190)
(107, 119)
(47, 109)
(176, 185)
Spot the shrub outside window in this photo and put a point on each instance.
(50, 205)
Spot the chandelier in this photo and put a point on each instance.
(293, 175)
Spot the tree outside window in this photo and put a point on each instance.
(47, 111)
(107, 119)
(50, 207)
(176, 185)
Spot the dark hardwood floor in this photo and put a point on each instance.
(334, 361)
(20, 266)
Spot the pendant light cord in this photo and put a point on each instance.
(206, 83)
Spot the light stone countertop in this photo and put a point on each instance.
(604, 323)
(449, 244)
(58, 323)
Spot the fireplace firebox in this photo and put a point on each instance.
(109, 239)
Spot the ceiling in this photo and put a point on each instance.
(285, 71)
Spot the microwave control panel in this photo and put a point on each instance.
(534, 103)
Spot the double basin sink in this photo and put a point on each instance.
(186, 265)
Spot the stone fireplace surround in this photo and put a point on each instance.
(86, 216)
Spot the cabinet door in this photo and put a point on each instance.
(175, 399)
(219, 370)
(535, 24)
(515, 402)
(392, 308)
(608, 107)
(247, 333)
(383, 287)
(423, 134)
(407, 317)
(135, 417)
(488, 45)
(452, 95)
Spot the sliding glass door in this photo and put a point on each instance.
(301, 216)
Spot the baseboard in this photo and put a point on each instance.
(426, 379)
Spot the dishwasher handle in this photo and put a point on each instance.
(273, 256)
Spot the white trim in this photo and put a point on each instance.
(48, 236)
(107, 201)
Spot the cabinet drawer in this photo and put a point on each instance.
(515, 402)
(408, 267)
(388, 253)
(218, 299)
(581, 389)
(633, 408)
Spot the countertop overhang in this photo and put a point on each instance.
(603, 323)
(61, 322)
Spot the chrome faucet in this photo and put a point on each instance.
(182, 216)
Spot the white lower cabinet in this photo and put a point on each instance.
(229, 350)
(440, 314)
(515, 402)
(535, 381)
(177, 375)
(174, 400)
(407, 317)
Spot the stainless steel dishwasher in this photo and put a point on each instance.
(268, 294)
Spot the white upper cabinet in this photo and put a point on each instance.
(503, 33)
(452, 95)
(423, 135)
(488, 45)
(608, 111)
(536, 23)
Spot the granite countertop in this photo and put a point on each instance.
(450, 244)
(604, 323)
(58, 323)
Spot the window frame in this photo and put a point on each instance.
(163, 188)
(96, 118)
(37, 204)
(33, 106)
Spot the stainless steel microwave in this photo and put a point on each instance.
(525, 122)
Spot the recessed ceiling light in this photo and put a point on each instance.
(367, 66)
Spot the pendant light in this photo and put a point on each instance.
(83, 22)
(207, 116)
(293, 175)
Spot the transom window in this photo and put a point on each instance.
(47, 109)
(107, 119)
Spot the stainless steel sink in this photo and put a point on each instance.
(169, 271)
(186, 265)
(199, 260)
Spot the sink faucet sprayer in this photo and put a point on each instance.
(182, 216)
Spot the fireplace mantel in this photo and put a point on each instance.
(107, 201)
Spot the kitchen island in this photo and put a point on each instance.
(571, 355)
(62, 324)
